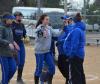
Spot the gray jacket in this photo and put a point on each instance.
(6, 37)
(43, 39)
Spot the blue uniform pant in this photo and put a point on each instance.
(21, 55)
(8, 66)
(49, 60)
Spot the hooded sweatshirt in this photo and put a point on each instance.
(43, 38)
(75, 43)
(62, 37)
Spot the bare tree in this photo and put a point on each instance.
(27, 3)
(97, 2)
(6, 5)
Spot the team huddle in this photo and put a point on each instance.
(69, 40)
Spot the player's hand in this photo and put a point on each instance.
(16, 46)
(11, 46)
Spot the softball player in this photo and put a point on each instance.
(42, 48)
(63, 63)
(19, 33)
(76, 41)
(7, 49)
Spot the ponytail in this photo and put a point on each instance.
(78, 17)
(42, 17)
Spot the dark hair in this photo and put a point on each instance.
(78, 17)
(42, 17)
(18, 14)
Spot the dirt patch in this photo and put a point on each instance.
(91, 66)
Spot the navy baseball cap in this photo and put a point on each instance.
(9, 17)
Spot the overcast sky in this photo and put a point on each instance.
(81, 1)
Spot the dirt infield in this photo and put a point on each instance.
(91, 65)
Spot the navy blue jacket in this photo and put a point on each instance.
(19, 32)
(62, 37)
(75, 43)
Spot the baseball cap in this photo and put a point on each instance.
(8, 16)
(65, 17)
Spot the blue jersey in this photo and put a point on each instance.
(19, 31)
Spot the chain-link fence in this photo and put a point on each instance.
(93, 29)
(93, 23)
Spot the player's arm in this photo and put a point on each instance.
(3, 42)
(24, 31)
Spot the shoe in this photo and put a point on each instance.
(44, 77)
(19, 75)
(50, 79)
